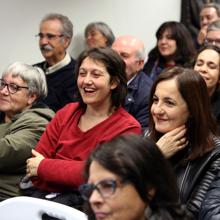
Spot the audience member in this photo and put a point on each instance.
(208, 65)
(128, 178)
(209, 12)
(98, 34)
(132, 51)
(182, 125)
(55, 36)
(174, 47)
(75, 131)
(213, 33)
(23, 120)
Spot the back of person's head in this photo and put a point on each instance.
(185, 49)
(115, 67)
(33, 76)
(200, 124)
(67, 26)
(139, 162)
(103, 28)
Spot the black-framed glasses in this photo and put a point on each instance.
(12, 88)
(48, 36)
(106, 188)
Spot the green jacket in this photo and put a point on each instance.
(17, 138)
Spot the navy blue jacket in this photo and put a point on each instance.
(137, 99)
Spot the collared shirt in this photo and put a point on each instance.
(66, 60)
(130, 80)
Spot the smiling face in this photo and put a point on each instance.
(169, 110)
(94, 84)
(52, 48)
(207, 64)
(125, 203)
(12, 104)
(166, 44)
(94, 38)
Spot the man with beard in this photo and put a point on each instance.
(56, 31)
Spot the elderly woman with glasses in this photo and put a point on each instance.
(23, 120)
(128, 178)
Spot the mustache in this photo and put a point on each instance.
(46, 47)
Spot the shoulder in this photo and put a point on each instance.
(124, 117)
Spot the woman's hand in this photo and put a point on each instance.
(33, 163)
(173, 141)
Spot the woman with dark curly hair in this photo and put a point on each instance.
(174, 47)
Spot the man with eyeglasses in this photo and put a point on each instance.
(213, 33)
(56, 31)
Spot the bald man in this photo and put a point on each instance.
(131, 49)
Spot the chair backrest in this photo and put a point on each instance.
(28, 208)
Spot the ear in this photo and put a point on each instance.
(31, 99)
(66, 42)
(114, 83)
(140, 64)
(151, 193)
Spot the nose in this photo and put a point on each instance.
(158, 108)
(5, 90)
(87, 79)
(95, 197)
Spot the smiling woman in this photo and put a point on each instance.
(78, 128)
(22, 121)
(182, 126)
(208, 65)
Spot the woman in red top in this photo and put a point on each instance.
(57, 163)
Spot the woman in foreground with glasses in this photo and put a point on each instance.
(208, 65)
(129, 178)
(22, 121)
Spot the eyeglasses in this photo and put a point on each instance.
(48, 36)
(215, 42)
(106, 188)
(12, 88)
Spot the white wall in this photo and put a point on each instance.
(20, 22)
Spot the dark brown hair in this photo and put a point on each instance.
(200, 125)
(115, 67)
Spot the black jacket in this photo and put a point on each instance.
(195, 178)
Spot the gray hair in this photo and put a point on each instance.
(67, 26)
(104, 29)
(214, 26)
(141, 54)
(215, 5)
(33, 76)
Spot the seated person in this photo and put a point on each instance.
(175, 47)
(98, 34)
(55, 35)
(22, 122)
(209, 13)
(76, 130)
(182, 126)
(132, 51)
(208, 65)
(128, 178)
(213, 33)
